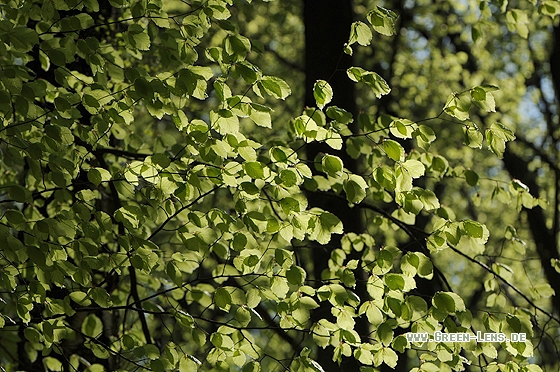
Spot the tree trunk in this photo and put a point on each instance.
(327, 28)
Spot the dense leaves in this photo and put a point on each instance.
(154, 207)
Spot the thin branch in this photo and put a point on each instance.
(181, 210)
(272, 205)
(518, 291)
(136, 297)
(108, 348)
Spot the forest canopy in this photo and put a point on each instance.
(296, 185)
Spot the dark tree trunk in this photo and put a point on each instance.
(545, 242)
(327, 28)
(546, 239)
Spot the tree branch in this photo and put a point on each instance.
(182, 209)
(136, 297)
(515, 289)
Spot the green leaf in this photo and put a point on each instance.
(471, 177)
(20, 194)
(543, 290)
(474, 229)
(92, 326)
(243, 316)
(222, 299)
(344, 317)
(355, 188)
(275, 86)
(323, 226)
(62, 104)
(52, 364)
(254, 169)
(425, 266)
(472, 137)
(202, 71)
(394, 281)
(517, 20)
(414, 168)
(386, 355)
(383, 20)
(393, 149)
(448, 302)
(261, 115)
(237, 44)
(290, 205)
(144, 88)
(222, 90)
(550, 8)
(137, 37)
(477, 32)
(340, 115)
(404, 129)
(375, 286)
(193, 81)
(374, 315)
(361, 33)
(129, 215)
(100, 296)
(251, 367)
(15, 218)
(98, 175)
(86, 21)
(458, 106)
(32, 335)
(483, 99)
(323, 93)
(371, 79)
(495, 143)
(57, 57)
(224, 121)
(332, 165)
(296, 275)
(80, 298)
(502, 132)
(98, 350)
(250, 73)
(364, 356)
(23, 39)
(279, 286)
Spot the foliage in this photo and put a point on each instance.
(155, 217)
